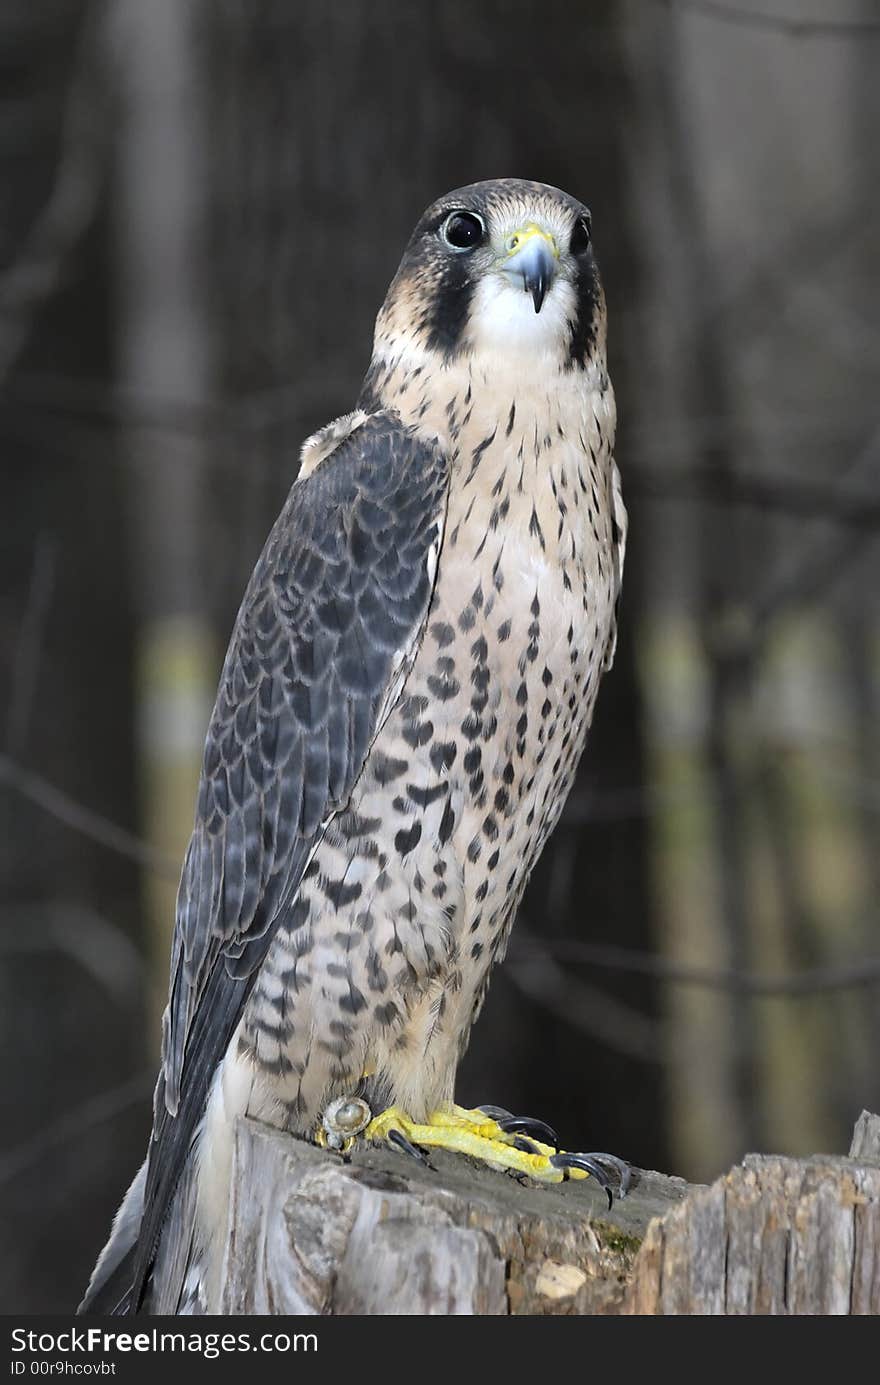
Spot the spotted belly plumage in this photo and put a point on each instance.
(376, 976)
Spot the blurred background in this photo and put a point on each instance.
(203, 203)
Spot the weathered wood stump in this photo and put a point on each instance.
(311, 1233)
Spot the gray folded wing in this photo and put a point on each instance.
(336, 604)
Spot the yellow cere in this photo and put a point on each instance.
(521, 237)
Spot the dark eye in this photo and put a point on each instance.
(463, 230)
(580, 236)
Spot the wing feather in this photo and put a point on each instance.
(340, 592)
(618, 540)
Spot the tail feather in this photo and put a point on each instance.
(109, 1291)
(111, 1296)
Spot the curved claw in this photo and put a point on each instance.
(396, 1137)
(496, 1113)
(618, 1166)
(526, 1146)
(598, 1165)
(528, 1125)
(583, 1161)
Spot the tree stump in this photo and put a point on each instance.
(312, 1233)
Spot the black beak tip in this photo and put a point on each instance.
(538, 290)
(535, 269)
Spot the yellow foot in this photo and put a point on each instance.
(500, 1140)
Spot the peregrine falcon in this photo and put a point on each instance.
(400, 715)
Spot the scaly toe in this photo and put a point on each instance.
(492, 1136)
(518, 1125)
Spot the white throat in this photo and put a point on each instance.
(506, 332)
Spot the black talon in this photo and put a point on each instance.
(397, 1137)
(527, 1125)
(618, 1166)
(593, 1164)
(525, 1146)
(495, 1113)
(583, 1161)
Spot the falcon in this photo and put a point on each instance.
(400, 715)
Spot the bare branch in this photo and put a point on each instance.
(789, 26)
(602, 1016)
(93, 942)
(76, 1123)
(864, 971)
(29, 649)
(39, 268)
(84, 820)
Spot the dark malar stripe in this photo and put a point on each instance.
(583, 335)
(451, 292)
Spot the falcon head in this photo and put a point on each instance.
(495, 270)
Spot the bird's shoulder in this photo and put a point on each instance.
(362, 434)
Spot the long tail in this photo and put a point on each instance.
(174, 1282)
(109, 1291)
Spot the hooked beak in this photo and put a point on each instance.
(531, 257)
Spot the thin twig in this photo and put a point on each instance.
(85, 820)
(28, 654)
(39, 266)
(100, 947)
(864, 971)
(788, 25)
(72, 1126)
(605, 1018)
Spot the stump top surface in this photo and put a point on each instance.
(652, 1194)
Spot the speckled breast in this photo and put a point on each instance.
(412, 891)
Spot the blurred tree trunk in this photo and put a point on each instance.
(697, 688)
(165, 362)
(69, 1032)
(860, 618)
(756, 856)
